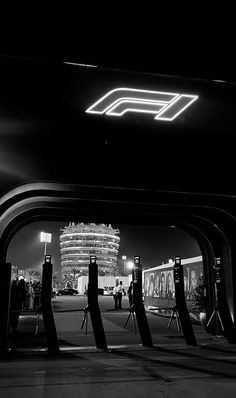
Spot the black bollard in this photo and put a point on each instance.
(140, 312)
(5, 289)
(46, 303)
(220, 317)
(93, 306)
(181, 303)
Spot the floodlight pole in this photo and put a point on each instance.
(45, 248)
(124, 258)
(45, 238)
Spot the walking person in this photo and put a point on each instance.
(115, 294)
(120, 292)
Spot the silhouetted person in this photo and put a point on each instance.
(120, 292)
(115, 294)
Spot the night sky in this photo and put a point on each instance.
(154, 244)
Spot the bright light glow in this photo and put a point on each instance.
(84, 65)
(102, 262)
(105, 255)
(130, 264)
(219, 81)
(76, 248)
(91, 234)
(45, 237)
(124, 258)
(166, 106)
(171, 111)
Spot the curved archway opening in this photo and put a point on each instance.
(70, 205)
(155, 244)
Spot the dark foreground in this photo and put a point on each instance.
(169, 369)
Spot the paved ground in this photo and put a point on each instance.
(169, 369)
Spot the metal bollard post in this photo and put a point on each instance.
(181, 303)
(220, 317)
(94, 309)
(140, 312)
(5, 289)
(46, 303)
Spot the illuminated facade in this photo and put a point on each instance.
(80, 241)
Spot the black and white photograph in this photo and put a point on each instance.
(117, 199)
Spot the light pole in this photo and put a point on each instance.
(45, 238)
(124, 258)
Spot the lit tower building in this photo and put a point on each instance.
(80, 241)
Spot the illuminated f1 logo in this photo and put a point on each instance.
(165, 106)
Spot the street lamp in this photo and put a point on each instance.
(124, 258)
(45, 238)
(130, 264)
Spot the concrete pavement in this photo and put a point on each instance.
(169, 369)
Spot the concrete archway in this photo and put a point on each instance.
(209, 223)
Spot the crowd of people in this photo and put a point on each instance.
(24, 296)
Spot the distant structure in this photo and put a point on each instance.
(80, 241)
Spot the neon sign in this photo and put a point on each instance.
(164, 105)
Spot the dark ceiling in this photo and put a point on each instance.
(40, 101)
(194, 40)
